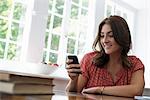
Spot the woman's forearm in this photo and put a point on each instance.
(125, 90)
(72, 85)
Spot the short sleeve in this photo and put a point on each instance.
(84, 66)
(137, 64)
(86, 63)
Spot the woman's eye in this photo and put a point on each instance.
(101, 35)
(111, 36)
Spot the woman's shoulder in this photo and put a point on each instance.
(133, 58)
(91, 54)
(136, 62)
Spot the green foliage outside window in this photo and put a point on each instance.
(48, 21)
(50, 4)
(71, 46)
(10, 27)
(75, 1)
(11, 51)
(57, 22)
(109, 10)
(55, 42)
(59, 6)
(44, 56)
(2, 49)
(53, 57)
(85, 3)
(5, 6)
(14, 31)
(19, 9)
(74, 12)
(3, 28)
(46, 39)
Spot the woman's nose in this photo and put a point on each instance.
(105, 39)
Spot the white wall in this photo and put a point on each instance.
(147, 74)
(142, 35)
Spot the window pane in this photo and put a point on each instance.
(46, 39)
(15, 31)
(53, 57)
(71, 46)
(74, 12)
(84, 12)
(118, 12)
(48, 21)
(5, 6)
(59, 6)
(81, 45)
(3, 28)
(55, 42)
(19, 10)
(125, 16)
(50, 4)
(83, 31)
(2, 50)
(73, 28)
(72, 34)
(44, 56)
(84, 17)
(57, 24)
(11, 51)
(85, 3)
(75, 1)
(109, 9)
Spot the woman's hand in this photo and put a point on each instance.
(73, 69)
(93, 90)
(93, 96)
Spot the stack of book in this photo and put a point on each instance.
(25, 84)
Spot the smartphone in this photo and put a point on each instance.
(74, 58)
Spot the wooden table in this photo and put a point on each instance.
(58, 95)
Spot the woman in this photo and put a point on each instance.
(109, 70)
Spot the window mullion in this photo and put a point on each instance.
(64, 31)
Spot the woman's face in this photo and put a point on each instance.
(107, 40)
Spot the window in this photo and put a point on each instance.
(11, 28)
(66, 29)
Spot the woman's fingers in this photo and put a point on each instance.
(74, 70)
(71, 66)
(94, 90)
(68, 61)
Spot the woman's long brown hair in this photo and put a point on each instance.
(122, 36)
